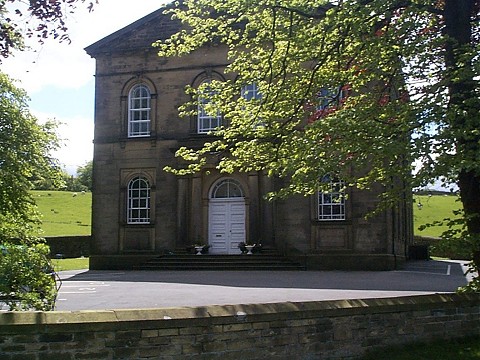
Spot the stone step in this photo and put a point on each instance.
(223, 257)
(220, 262)
(264, 252)
(218, 267)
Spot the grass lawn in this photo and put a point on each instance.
(433, 208)
(461, 349)
(64, 213)
(70, 264)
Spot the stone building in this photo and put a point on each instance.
(140, 211)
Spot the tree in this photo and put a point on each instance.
(400, 79)
(25, 147)
(68, 183)
(84, 175)
(40, 18)
(26, 277)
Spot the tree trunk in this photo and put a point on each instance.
(464, 108)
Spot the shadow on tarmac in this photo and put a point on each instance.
(423, 275)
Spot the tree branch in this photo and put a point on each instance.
(319, 13)
(407, 3)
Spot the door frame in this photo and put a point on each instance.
(229, 200)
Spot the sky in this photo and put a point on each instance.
(59, 77)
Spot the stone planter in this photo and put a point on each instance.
(249, 249)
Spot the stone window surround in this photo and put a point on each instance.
(125, 106)
(139, 111)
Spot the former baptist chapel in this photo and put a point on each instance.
(140, 211)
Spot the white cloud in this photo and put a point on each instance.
(51, 65)
(76, 135)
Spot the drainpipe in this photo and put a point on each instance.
(394, 232)
(394, 227)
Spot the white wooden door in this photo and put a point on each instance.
(226, 225)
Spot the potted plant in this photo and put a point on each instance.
(200, 247)
(242, 247)
(249, 249)
(257, 248)
(246, 248)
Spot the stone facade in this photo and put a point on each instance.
(182, 210)
(343, 329)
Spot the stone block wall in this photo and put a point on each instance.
(343, 329)
(69, 246)
(441, 249)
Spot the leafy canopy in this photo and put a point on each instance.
(25, 151)
(85, 174)
(404, 78)
(388, 59)
(25, 147)
(26, 277)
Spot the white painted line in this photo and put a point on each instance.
(84, 285)
(422, 272)
(78, 292)
(84, 281)
(449, 268)
(86, 276)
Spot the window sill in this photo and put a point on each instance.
(318, 222)
(139, 225)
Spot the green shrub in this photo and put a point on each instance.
(27, 280)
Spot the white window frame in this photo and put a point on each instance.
(251, 92)
(139, 111)
(233, 189)
(331, 203)
(206, 122)
(138, 201)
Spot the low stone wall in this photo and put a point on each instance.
(441, 249)
(343, 329)
(69, 246)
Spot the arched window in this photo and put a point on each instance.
(207, 119)
(138, 201)
(139, 111)
(227, 188)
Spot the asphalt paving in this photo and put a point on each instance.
(110, 290)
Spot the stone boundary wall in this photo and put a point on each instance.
(69, 246)
(436, 248)
(343, 329)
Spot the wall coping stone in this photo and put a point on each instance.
(60, 321)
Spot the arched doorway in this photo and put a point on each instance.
(226, 217)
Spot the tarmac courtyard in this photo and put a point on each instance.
(109, 290)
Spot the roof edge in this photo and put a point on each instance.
(97, 46)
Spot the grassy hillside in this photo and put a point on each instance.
(433, 208)
(64, 213)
